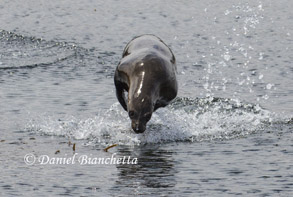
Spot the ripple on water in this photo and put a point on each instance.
(20, 51)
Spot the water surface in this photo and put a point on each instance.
(228, 133)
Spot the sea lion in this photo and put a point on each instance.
(147, 71)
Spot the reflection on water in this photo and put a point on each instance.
(155, 169)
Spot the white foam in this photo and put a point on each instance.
(184, 120)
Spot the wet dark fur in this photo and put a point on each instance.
(147, 71)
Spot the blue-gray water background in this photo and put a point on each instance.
(228, 133)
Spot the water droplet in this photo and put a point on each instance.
(227, 12)
(269, 86)
(260, 56)
(227, 57)
(241, 82)
(206, 86)
(266, 97)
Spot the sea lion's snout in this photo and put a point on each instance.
(138, 127)
(139, 120)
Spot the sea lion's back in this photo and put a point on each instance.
(148, 43)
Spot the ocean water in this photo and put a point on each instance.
(229, 132)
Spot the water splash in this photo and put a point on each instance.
(235, 51)
(185, 119)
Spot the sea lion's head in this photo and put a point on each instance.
(140, 112)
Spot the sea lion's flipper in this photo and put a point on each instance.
(160, 103)
(120, 94)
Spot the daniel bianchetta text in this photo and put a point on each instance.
(83, 159)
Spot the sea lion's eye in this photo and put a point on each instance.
(131, 114)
